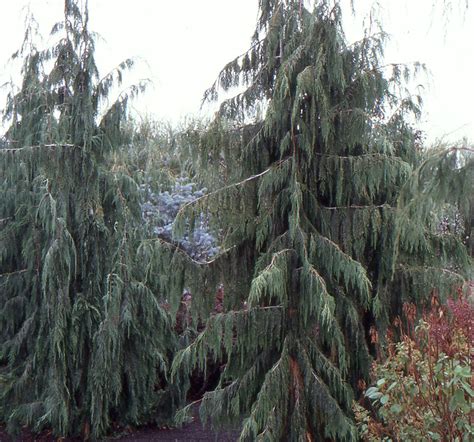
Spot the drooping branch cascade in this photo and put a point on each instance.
(83, 340)
(319, 147)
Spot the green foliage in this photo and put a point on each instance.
(423, 389)
(152, 153)
(314, 153)
(84, 342)
(443, 180)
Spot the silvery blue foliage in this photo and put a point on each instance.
(159, 211)
(451, 221)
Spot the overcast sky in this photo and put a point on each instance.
(186, 42)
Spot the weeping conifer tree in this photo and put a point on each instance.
(83, 340)
(310, 214)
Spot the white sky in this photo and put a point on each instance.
(186, 42)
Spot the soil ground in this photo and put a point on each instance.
(192, 432)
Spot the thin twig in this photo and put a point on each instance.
(39, 146)
(18, 272)
(380, 206)
(215, 192)
(187, 256)
(345, 157)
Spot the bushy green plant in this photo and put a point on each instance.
(423, 389)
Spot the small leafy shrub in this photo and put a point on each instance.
(423, 390)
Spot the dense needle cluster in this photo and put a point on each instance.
(159, 211)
